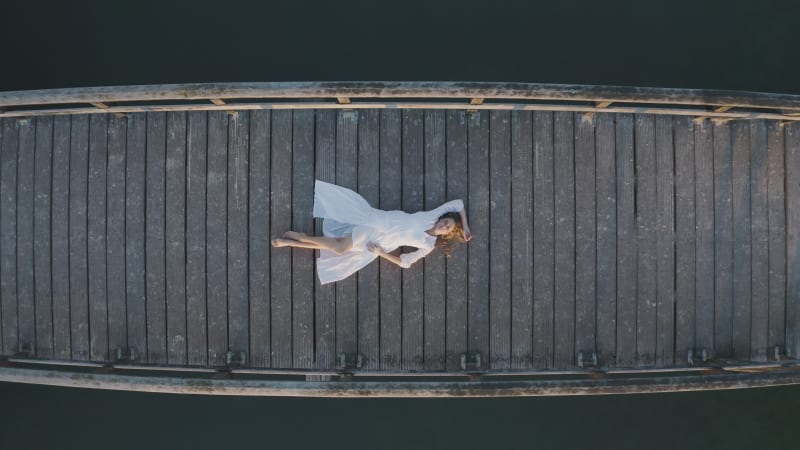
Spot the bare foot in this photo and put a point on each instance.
(294, 235)
(282, 242)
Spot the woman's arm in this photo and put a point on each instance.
(465, 225)
(387, 256)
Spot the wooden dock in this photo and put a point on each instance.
(603, 241)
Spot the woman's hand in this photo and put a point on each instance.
(467, 233)
(374, 248)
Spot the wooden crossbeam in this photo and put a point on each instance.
(601, 105)
(343, 100)
(99, 105)
(720, 109)
(217, 101)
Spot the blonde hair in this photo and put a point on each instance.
(449, 242)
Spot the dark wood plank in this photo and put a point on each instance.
(478, 207)
(585, 235)
(78, 271)
(347, 176)
(368, 277)
(723, 241)
(281, 221)
(303, 276)
(606, 240)
(665, 244)
(626, 241)
(500, 239)
(196, 326)
(646, 210)
(543, 240)
(260, 159)
(155, 243)
(435, 293)
(684, 238)
(2, 129)
(216, 238)
(238, 287)
(704, 250)
(413, 168)
(759, 229)
(135, 234)
(115, 235)
(522, 238)
(41, 239)
(26, 308)
(777, 238)
(325, 296)
(564, 240)
(390, 199)
(98, 304)
(742, 254)
(792, 142)
(62, 345)
(8, 236)
(456, 303)
(175, 234)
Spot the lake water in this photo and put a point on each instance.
(714, 45)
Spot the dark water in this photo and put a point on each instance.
(741, 45)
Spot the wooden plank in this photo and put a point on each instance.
(98, 295)
(238, 287)
(759, 229)
(413, 169)
(646, 197)
(78, 273)
(543, 240)
(216, 238)
(175, 234)
(196, 327)
(26, 308)
(325, 296)
(522, 237)
(585, 236)
(564, 240)
(302, 220)
(259, 207)
(368, 277)
(777, 237)
(62, 345)
(41, 240)
(456, 266)
(704, 250)
(115, 235)
(8, 238)
(723, 241)
(155, 243)
(390, 199)
(347, 176)
(281, 221)
(792, 142)
(135, 233)
(500, 239)
(606, 204)
(626, 241)
(684, 239)
(435, 276)
(742, 254)
(665, 244)
(478, 249)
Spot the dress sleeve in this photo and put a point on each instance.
(407, 259)
(451, 206)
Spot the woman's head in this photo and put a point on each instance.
(449, 232)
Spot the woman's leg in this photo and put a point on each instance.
(337, 245)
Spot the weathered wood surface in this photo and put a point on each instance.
(643, 240)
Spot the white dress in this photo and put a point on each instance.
(347, 213)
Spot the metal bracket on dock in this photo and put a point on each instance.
(24, 350)
(126, 354)
(777, 353)
(235, 359)
(350, 361)
(471, 361)
(582, 363)
(690, 357)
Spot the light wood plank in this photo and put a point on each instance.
(665, 244)
(627, 248)
(585, 236)
(196, 312)
(759, 226)
(325, 296)
(259, 266)
(303, 276)
(238, 288)
(478, 248)
(115, 235)
(41, 239)
(606, 204)
(435, 277)
(723, 242)
(646, 197)
(135, 234)
(456, 303)
(685, 238)
(78, 273)
(564, 240)
(175, 234)
(742, 254)
(216, 238)
(522, 238)
(98, 294)
(777, 237)
(413, 169)
(26, 307)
